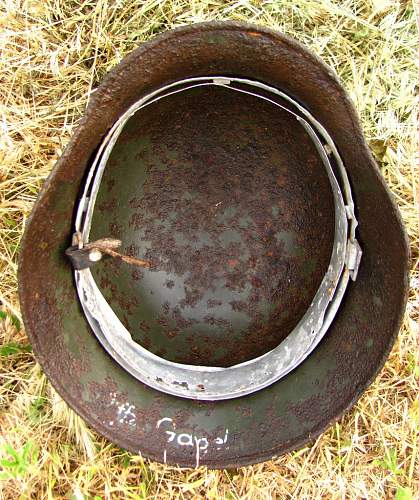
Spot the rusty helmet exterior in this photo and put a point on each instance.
(203, 277)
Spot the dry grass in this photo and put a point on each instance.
(53, 53)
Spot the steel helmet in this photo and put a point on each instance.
(215, 270)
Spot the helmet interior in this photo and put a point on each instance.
(227, 196)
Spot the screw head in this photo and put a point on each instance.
(95, 255)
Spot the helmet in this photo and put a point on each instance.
(215, 270)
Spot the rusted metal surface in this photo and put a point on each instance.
(303, 404)
(230, 199)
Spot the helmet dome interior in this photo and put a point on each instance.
(227, 196)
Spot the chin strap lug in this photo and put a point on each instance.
(84, 255)
(353, 258)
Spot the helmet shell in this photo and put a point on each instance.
(298, 407)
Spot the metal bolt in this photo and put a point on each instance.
(95, 255)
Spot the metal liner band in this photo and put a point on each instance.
(216, 383)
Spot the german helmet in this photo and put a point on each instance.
(215, 270)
